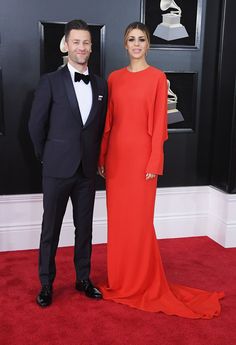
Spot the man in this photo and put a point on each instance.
(66, 126)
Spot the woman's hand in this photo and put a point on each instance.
(150, 176)
(101, 171)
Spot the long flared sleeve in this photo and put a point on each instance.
(157, 128)
(107, 129)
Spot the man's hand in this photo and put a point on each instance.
(101, 171)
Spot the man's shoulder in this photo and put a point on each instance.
(99, 79)
(55, 74)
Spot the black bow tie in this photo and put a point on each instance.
(79, 76)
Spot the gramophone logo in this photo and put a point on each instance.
(63, 50)
(174, 115)
(170, 28)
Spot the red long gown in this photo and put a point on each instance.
(132, 145)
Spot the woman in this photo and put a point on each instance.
(131, 159)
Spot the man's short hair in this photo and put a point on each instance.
(76, 24)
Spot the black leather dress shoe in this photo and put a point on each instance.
(87, 287)
(44, 298)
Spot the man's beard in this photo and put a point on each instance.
(82, 61)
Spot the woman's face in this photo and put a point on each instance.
(137, 44)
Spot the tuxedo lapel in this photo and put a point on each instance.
(71, 94)
(94, 101)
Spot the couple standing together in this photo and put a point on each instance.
(74, 131)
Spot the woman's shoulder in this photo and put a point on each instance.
(116, 73)
(157, 72)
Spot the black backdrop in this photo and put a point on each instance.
(200, 157)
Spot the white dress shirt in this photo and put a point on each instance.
(83, 94)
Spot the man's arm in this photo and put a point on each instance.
(104, 109)
(39, 117)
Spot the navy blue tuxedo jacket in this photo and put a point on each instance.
(60, 139)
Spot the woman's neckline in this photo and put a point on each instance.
(135, 72)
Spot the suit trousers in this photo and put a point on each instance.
(56, 193)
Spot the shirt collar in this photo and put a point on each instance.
(73, 70)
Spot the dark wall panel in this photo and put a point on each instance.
(224, 147)
(207, 118)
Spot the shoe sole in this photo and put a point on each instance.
(82, 291)
(43, 305)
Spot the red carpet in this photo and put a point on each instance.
(75, 320)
